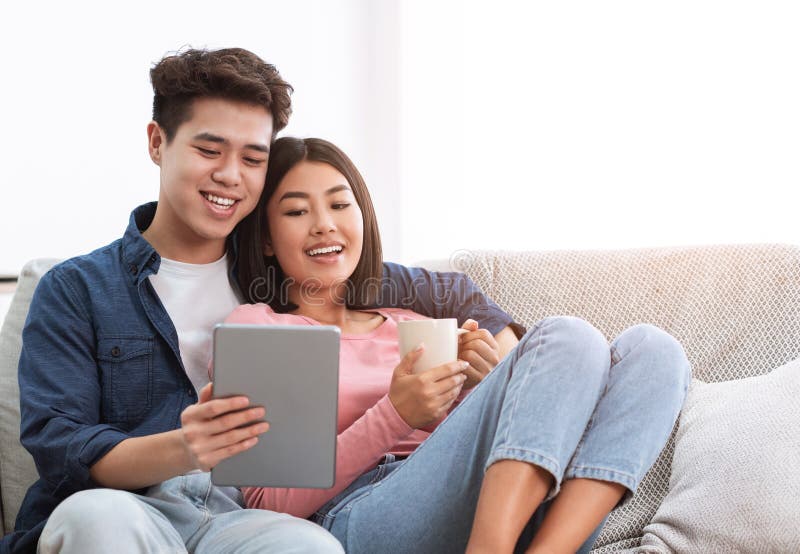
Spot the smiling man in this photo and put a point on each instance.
(117, 408)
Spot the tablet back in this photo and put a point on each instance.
(293, 371)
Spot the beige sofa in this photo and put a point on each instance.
(736, 309)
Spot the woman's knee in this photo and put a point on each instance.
(662, 356)
(573, 343)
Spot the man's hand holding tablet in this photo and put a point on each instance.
(217, 428)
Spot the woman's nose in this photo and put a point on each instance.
(324, 223)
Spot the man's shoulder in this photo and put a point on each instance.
(100, 265)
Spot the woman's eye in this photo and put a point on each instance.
(340, 205)
(295, 213)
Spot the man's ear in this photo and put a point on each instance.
(156, 141)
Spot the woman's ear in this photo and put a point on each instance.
(268, 251)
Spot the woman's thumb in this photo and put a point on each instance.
(406, 366)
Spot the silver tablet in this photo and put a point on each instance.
(293, 371)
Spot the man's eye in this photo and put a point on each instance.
(254, 161)
(340, 205)
(206, 151)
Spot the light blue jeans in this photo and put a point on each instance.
(563, 400)
(183, 514)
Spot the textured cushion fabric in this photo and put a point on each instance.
(735, 309)
(17, 470)
(734, 485)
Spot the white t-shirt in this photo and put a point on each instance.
(196, 297)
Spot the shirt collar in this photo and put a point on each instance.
(141, 259)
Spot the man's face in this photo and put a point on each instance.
(212, 172)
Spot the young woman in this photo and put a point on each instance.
(533, 458)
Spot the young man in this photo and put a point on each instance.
(116, 404)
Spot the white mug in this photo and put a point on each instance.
(440, 337)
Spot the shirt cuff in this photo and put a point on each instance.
(495, 320)
(394, 422)
(86, 447)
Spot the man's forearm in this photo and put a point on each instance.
(506, 340)
(141, 462)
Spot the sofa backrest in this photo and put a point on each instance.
(17, 470)
(735, 309)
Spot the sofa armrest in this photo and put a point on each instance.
(17, 470)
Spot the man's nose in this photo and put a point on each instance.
(228, 173)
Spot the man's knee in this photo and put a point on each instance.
(97, 516)
(255, 531)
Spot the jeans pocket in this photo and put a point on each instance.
(126, 374)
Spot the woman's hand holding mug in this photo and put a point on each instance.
(423, 398)
(478, 347)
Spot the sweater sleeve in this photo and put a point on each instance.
(358, 449)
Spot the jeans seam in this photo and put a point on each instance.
(524, 380)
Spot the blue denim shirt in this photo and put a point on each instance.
(100, 360)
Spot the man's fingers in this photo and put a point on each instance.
(209, 459)
(232, 420)
(234, 436)
(219, 406)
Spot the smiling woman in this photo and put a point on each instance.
(325, 191)
(533, 471)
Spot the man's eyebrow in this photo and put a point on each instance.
(209, 137)
(298, 194)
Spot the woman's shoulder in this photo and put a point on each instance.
(401, 314)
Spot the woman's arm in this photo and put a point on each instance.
(358, 449)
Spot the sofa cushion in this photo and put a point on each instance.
(17, 470)
(734, 485)
(735, 309)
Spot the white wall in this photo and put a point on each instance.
(76, 98)
(477, 124)
(546, 125)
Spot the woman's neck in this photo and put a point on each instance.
(324, 309)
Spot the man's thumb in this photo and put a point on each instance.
(206, 393)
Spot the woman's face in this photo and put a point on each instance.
(315, 225)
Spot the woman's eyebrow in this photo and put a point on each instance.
(298, 194)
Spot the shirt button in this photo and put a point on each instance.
(116, 351)
(134, 269)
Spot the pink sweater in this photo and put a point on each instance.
(368, 424)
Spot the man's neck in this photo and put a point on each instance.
(174, 246)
